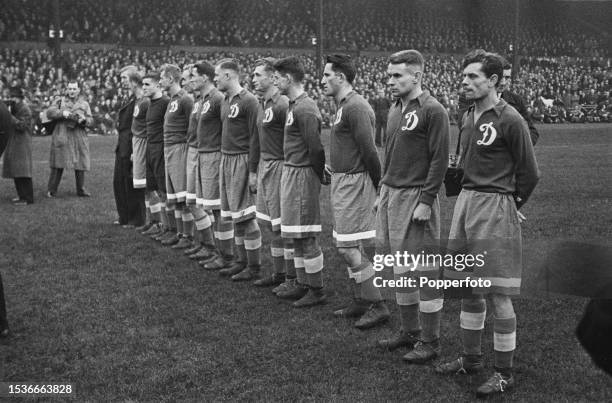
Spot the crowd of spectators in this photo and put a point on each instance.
(547, 28)
(555, 89)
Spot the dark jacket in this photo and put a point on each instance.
(516, 101)
(6, 126)
(18, 154)
(124, 128)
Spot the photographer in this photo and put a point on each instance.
(69, 144)
(17, 163)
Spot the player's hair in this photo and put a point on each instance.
(205, 69)
(410, 57)
(132, 74)
(73, 81)
(291, 65)
(268, 63)
(171, 70)
(343, 64)
(492, 63)
(229, 64)
(153, 75)
(507, 65)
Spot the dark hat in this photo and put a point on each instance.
(16, 91)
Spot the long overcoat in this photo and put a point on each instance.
(69, 143)
(17, 159)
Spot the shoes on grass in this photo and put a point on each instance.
(247, 274)
(497, 383)
(213, 263)
(195, 248)
(462, 365)
(234, 267)
(273, 280)
(355, 309)
(292, 290)
(376, 314)
(144, 227)
(401, 339)
(423, 352)
(314, 296)
(183, 243)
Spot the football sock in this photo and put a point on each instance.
(277, 253)
(252, 243)
(288, 253)
(472, 319)
(504, 342)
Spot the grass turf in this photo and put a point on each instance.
(125, 319)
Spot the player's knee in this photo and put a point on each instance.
(249, 226)
(352, 256)
(502, 305)
(473, 304)
(310, 247)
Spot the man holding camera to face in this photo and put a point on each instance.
(69, 144)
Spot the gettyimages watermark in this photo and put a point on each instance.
(429, 266)
(458, 261)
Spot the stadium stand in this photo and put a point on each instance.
(548, 28)
(566, 78)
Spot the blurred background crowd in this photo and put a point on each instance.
(564, 73)
(547, 27)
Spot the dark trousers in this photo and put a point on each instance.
(130, 201)
(55, 178)
(25, 189)
(381, 134)
(3, 319)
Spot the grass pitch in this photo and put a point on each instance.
(125, 319)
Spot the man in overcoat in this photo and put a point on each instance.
(69, 143)
(17, 160)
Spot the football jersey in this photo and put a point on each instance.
(352, 146)
(302, 145)
(272, 121)
(416, 152)
(497, 153)
(139, 121)
(239, 117)
(176, 120)
(155, 119)
(192, 130)
(209, 124)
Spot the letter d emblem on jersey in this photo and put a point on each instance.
(205, 107)
(173, 107)
(488, 134)
(412, 120)
(289, 119)
(233, 111)
(269, 115)
(338, 116)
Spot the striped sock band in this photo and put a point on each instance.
(471, 320)
(187, 219)
(504, 341)
(178, 216)
(278, 253)
(298, 261)
(288, 253)
(252, 243)
(224, 234)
